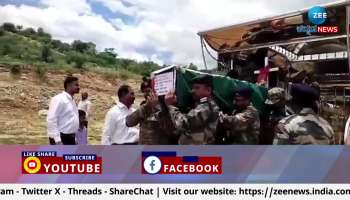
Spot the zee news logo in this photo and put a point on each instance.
(317, 16)
(167, 162)
(47, 162)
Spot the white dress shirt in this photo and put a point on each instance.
(347, 130)
(85, 106)
(63, 116)
(115, 129)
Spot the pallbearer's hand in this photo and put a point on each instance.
(170, 98)
(278, 24)
(152, 100)
(221, 117)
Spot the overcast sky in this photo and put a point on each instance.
(164, 31)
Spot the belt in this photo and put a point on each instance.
(129, 143)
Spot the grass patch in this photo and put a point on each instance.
(112, 74)
(124, 75)
(40, 71)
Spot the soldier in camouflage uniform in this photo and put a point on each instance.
(304, 127)
(244, 124)
(198, 127)
(277, 109)
(156, 127)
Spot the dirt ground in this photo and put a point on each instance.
(24, 100)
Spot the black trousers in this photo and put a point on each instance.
(52, 141)
(68, 139)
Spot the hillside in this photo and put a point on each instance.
(33, 66)
(37, 48)
(24, 99)
(32, 69)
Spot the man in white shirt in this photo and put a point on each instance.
(85, 104)
(347, 132)
(115, 131)
(63, 116)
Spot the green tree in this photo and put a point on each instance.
(28, 32)
(19, 52)
(124, 63)
(80, 46)
(56, 44)
(145, 68)
(46, 53)
(40, 31)
(78, 59)
(2, 32)
(111, 52)
(108, 57)
(79, 62)
(6, 50)
(10, 27)
(65, 47)
(60, 46)
(43, 36)
(91, 48)
(19, 28)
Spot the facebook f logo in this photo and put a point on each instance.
(152, 164)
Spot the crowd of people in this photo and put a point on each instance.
(158, 120)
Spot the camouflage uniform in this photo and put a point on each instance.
(275, 96)
(277, 110)
(243, 126)
(198, 127)
(306, 127)
(155, 126)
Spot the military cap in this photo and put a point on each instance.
(244, 92)
(304, 91)
(203, 79)
(275, 95)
